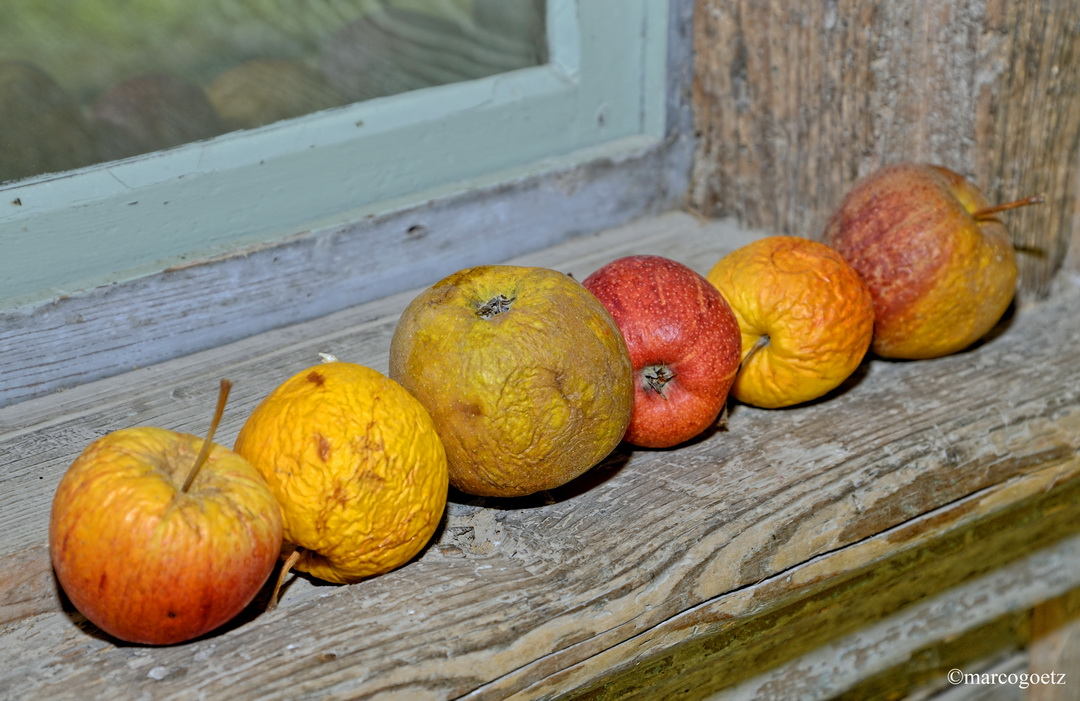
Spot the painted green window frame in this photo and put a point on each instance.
(461, 153)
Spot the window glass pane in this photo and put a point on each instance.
(98, 80)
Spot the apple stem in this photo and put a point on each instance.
(208, 442)
(761, 342)
(285, 568)
(991, 211)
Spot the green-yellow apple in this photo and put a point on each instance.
(524, 373)
(158, 537)
(938, 261)
(684, 344)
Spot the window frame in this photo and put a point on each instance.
(231, 215)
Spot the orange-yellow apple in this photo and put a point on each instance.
(937, 260)
(805, 316)
(158, 537)
(683, 340)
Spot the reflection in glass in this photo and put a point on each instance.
(108, 79)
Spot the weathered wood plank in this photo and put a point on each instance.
(1055, 647)
(794, 636)
(993, 647)
(535, 596)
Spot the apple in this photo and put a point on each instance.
(158, 537)
(524, 373)
(937, 260)
(805, 316)
(356, 464)
(683, 340)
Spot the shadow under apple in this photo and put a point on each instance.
(590, 479)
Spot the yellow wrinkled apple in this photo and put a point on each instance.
(805, 316)
(356, 464)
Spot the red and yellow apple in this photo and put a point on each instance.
(158, 537)
(683, 341)
(937, 260)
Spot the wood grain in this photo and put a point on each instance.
(1072, 257)
(802, 631)
(1055, 646)
(652, 552)
(794, 103)
(995, 646)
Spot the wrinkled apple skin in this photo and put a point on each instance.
(940, 278)
(148, 563)
(805, 316)
(524, 373)
(676, 325)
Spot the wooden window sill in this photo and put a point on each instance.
(920, 502)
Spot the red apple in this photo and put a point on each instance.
(684, 345)
(159, 537)
(938, 262)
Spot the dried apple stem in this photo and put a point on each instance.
(208, 442)
(990, 211)
(285, 568)
(761, 342)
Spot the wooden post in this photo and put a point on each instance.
(794, 101)
(1072, 258)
